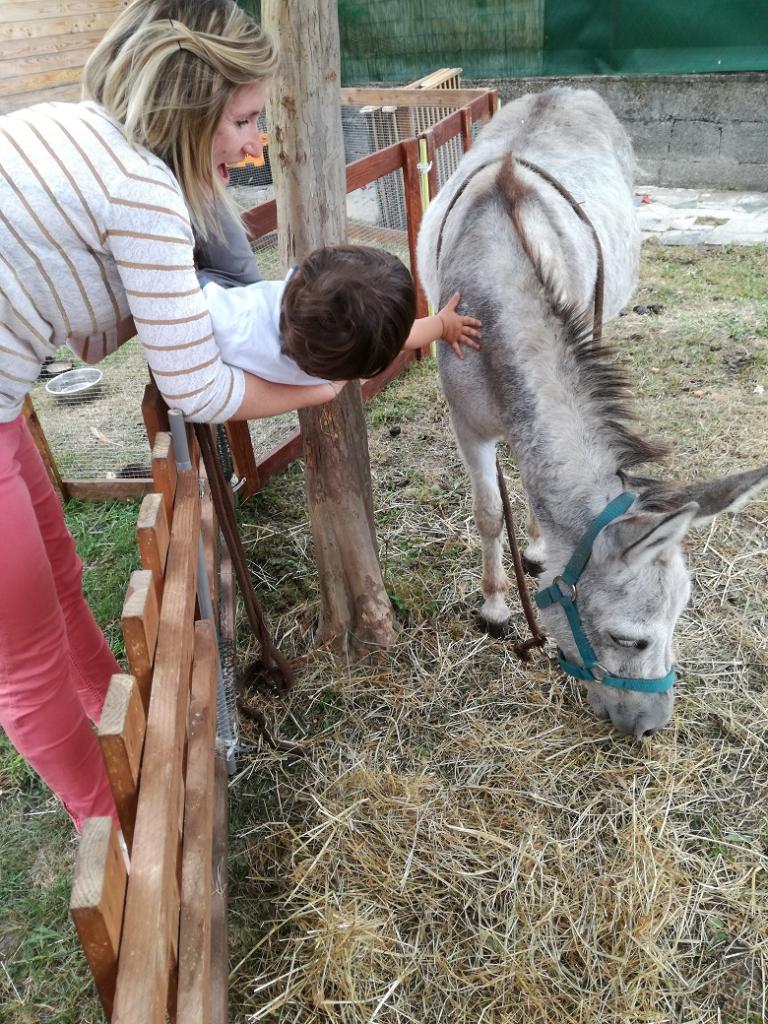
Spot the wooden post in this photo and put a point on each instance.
(37, 432)
(308, 167)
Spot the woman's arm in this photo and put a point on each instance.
(263, 398)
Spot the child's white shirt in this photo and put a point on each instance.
(246, 326)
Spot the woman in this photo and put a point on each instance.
(100, 203)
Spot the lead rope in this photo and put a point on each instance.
(537, 638)
(273, 665)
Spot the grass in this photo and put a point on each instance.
(465, 842)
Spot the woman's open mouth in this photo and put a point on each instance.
(223, 172)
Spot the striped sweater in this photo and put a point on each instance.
(94, 238)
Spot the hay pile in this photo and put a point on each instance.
(467, 843)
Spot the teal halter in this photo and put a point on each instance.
(563, 592)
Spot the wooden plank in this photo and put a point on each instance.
(40, 46)
(193, 1002)
(151, 912)
(140, 622)
(40, 80)
(447, 128)
(96, 21)
(209, 530)
(34, 10)
(152, 534)
(368, 168)
(121, 738)
(64, 93)
(436, 79)
(261, 219)
(96, 904)
(405, 97)
(41, 443)
(243, 458)
(38, 63)
(164, 470)
(413, 214)
(108, 490)
(219, 938)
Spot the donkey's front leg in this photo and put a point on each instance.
(480, 458)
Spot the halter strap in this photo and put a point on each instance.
(562, 591)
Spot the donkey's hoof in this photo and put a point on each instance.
(532, 567)
(497, 630)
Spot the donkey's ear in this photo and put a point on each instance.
(728, 494)
(639, 537)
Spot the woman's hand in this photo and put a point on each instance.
(458, 330)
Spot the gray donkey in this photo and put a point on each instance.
(613, 579)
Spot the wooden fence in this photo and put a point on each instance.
(156, 940)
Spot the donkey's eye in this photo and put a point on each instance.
(626, 641)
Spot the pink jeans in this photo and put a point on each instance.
(55, 664)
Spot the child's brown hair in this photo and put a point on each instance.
(347, 311)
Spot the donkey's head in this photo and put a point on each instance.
(617, 633)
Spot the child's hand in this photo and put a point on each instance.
(458, 330)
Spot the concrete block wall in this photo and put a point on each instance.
(695, 131)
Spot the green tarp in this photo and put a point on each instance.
(401, 40)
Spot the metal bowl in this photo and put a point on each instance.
(83, 382)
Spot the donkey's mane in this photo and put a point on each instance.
(603, 379)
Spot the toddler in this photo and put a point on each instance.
(345, 312)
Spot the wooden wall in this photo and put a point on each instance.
(44, 45)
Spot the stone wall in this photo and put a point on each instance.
(697, 131)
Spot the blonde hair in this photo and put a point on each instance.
(166, 70)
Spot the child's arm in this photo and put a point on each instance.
(449, 325)
(263, 398)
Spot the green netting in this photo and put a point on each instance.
(401, 40)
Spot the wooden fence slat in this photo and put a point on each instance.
(152, 907)
(193, 1003)
(140, 622)
(164, 470)
(96, 905)
(152, 534)
(210, 532)
(219, 935)
(121, 738)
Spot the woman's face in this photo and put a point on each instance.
(237, 135)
